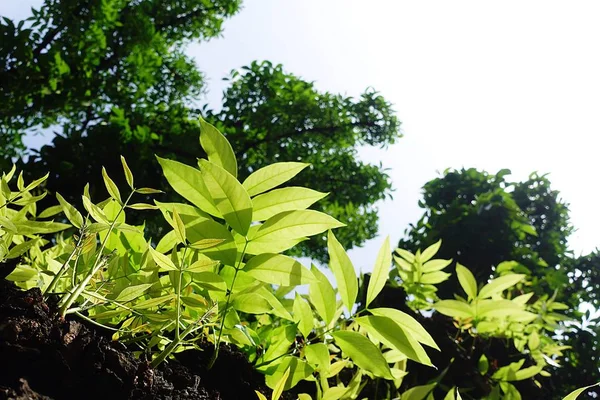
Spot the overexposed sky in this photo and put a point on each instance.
(489, 85)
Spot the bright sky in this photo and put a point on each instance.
(489, 85)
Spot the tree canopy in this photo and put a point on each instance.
(133, 91)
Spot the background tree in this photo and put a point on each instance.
(75, 63)
(483, 220)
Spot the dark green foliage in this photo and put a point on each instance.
(484, 219)
(77, 63)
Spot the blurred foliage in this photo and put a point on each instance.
(111, 77)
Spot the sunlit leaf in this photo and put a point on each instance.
(217, 147)
(381, 271)
(454, 309)
(132, 292)
(303, 315)
(431, 251)
(272, 176)
(71, 212)
(229, 196)
(394, 336)
(417, 392)
(499, 285)
(322, 295)
(189, 183)
(344, 272)
(363, 353)
(299, 370)
(467, 281)
(285, 199)
(127, 172)
(112, 188)
(411, 325)
(162, 261)
(278, 269)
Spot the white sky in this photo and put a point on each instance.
(489, 85)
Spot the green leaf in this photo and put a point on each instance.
(431, 251)
(534, 341)
(286, 199)
(272, 176)
(142, 206)
(278, 269)
(202, 264)
(363, 353)
(189, 183)
(217, 148)
(483, 365)
(210, 281)
(71, 212)
(318, 356)
(322, 296)
(95, 212)
(251, 303)
(454, 309)
(292, 225)
(434, 278)
(260, 395)
(272, 246)
(204, 244)
(467, 281)
(112, 188)
(499, 285)
(162, 261)
(229, 196)
(278, 389)
(381, 271)
(147, 190)
(303, 315)
(343, 270)
(39, 227)
(132, 292)
(127, 171)
(418, 392)
(394, 336)
(435, 265)
(179, 227)
(574, 394)
(411, 325)
(299, 370)
(50, 211)
(22, 273)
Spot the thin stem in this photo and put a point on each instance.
(229, 292)
(97, 264)
(64, 267)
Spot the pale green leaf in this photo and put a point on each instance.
(334, 393)
(343, 270)
(272, 246)
(162, 261)
(278, 390)
(431, 251)
(71, 212)
(179, 227)
(204, 244)
(303, 315)
(189, 183)
(299, 370)
(411, 325)
(210, 281)
(142, 206)
(322, 296)
(499, 285)
(454, 309)
(127, 172)
(202, 264)
(260, 395)
(363, 353)
(112, 188)
(229, 196)
(251, 303)
(467, 281)
(26, 227)
(483, 365)
(95, 212)
(574, 394)
(132, 292)
(394, 336)
(418, 392)
(317, 355)
(292, 225)
(433, 278)
(147, 190)
(278, 269)
(381, 271)
(217, 148)
(272, 176)
(285, 199)
(22, 273)
(435, 265)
